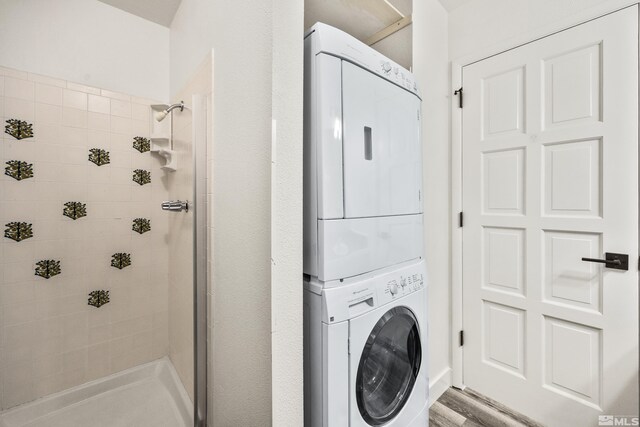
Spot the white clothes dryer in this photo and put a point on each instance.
(366, 351)
(363, 204)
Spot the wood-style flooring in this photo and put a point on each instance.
(466, 408)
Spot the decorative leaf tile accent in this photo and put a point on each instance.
(120, 260)
(98, 298)
(99, 156)
(141, 225)
(18, 231)
(141, 144)
(74, 210)
(19, 129)
(19, 170)
(48, 268)
(141, 176)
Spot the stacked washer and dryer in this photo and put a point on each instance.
(365, 299)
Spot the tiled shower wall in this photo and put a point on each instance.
(50, 337)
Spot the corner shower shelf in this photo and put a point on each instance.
(159, 143)
(171, 159)
(161, 146)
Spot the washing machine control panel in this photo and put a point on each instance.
(405, 283)
(360, 296)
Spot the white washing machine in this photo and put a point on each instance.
(366, 358)
(365, 279)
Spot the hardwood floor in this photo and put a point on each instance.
(466, 408)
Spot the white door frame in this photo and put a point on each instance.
(603, 9)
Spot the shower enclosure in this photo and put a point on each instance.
(103, 294)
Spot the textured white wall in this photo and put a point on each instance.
(479, 25)
(430, 65)
(87, 42)
(191, 40)
(256, 79)
(286, 215)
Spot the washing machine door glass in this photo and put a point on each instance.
(389, 366)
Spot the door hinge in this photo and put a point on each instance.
(461, 219)
(461, 335)
(348, 345)
(459, 93)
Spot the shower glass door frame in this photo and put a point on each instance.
(200, 259)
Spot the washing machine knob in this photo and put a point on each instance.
(393, 288)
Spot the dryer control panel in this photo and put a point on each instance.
(342, 45)
(354, 299)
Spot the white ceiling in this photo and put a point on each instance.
(452, 4)
(158, 11)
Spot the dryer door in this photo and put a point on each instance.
(388, 367)
(381, 143)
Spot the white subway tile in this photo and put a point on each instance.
(99, 104)
(12, 315)
(99, 175)
(48, 115)
(74, 99)
(18, 272)
(72, 155)
(120, 141)
(19, 109)
(18, 252)
(10, 72)
(140, 112)
(120, 125)
(98, 139)
(17, 88)
(115, 95)
(73, 136)
(48, 132)
(37, 78)
(120, 108)
(140, 128)
(17, 293)
(98, 121)
(48, 94)
(121, 158)
(44, 367)
(74, 117)
(83, 88)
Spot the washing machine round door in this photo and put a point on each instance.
(389, 366)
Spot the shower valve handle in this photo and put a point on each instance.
(175, 206)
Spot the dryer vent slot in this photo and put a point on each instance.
(360, 306)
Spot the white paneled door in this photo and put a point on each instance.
(550, 176)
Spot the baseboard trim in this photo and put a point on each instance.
(439, 384)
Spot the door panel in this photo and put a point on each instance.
(550, 176)
(382, 151)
